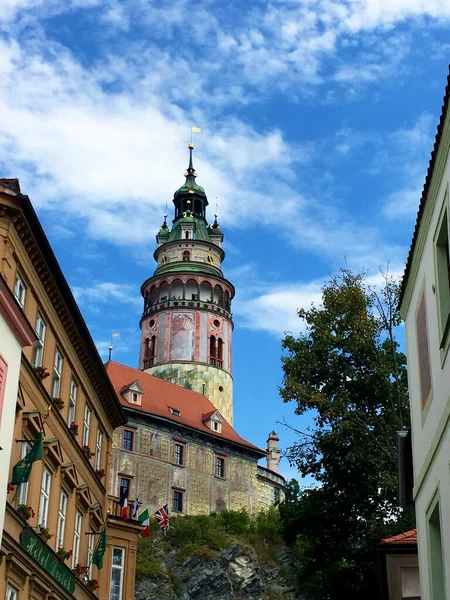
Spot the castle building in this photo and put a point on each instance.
(179, 446)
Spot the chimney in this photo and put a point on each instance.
(273, 457)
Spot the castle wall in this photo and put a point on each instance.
(154, 476)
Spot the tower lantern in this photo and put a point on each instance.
(186, 326)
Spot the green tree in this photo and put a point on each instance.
(346, 369)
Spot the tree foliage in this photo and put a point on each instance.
(347, 370)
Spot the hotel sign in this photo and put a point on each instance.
(48, 560)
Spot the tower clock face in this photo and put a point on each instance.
(210, 259)
(163, 260)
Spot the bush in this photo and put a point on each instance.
(198, 530)
(234, 522)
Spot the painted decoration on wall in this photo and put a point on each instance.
(182, 336)
(424, 355)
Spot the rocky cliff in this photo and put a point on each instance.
(237, 572)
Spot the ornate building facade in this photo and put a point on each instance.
(53, 384)
(179, 446)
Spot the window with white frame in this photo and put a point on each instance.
(11, 593)
(76, 539)
(57, 369)
(22, 490)
(86, 425)
(90, 555)
(45, 497)
(117, 568)
(38, 350)
(20, 290)
(72, 401)
(61, 519)
(98, 450)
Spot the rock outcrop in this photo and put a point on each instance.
(232, 574)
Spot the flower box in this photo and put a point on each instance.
(59, 403)
(74, 428)
(92, 584)
(44, 533)
(11, 488)
(26, 512)
(79, 570)
(63, 554)
(87, 452)
(41, 372)
(100, 473)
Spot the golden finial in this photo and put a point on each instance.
(191, 146)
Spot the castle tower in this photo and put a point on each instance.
(187, 324)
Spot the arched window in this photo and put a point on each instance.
(186, 256)
(152, 351)
(186, 235)
(212, 350)
(146, 352)
(220, 353)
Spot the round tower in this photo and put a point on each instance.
(187, 324)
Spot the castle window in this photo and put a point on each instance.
(216, 426)
(177, 501)
(186, 235)
(134, 397)
(186, 256)
(127, 443)
(220, 467)
(220, 352)
(276, 494)
(174, 411)
(212, 350)
(179, 454)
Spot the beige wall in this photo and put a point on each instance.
(154, 476)
(71, 469)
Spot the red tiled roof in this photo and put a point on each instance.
(160, 395)
(409, 538)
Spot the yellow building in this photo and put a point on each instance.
(64, 389)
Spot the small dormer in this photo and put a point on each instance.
(214, 421)
(187, 231)
(133, 393)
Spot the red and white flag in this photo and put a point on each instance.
(124, 503)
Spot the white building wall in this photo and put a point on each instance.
(430, 424)
(11, 351)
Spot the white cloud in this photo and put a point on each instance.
(107, 292)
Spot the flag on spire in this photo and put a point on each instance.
(124, 502)
(144, 519)
(195, 129)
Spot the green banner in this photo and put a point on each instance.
(48, 560)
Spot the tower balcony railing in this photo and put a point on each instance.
(183, 303)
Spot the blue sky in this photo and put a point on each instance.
(317, 118)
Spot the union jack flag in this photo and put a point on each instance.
(162, 516)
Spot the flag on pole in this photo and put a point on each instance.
(162, 516)
(144, 519)
(124, 502)
(22, 470)
(115, 335)
(196, 129)
(97, 558)
(135, 509)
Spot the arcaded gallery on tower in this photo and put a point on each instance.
(178, 446)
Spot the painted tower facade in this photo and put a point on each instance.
(186, 327)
